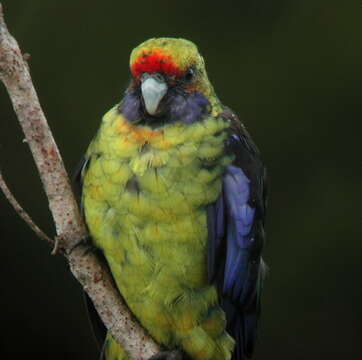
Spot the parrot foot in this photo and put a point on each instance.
(168, 355)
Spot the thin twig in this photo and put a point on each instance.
(21, 212)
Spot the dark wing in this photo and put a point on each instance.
(236, 237)
(99, 330)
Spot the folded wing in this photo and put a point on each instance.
(236, 237)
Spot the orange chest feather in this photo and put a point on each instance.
(139, 135)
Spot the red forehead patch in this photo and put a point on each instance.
(154, 62)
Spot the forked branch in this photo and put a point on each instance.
(70, 228)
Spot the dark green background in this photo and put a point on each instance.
(292, 70)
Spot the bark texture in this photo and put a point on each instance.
(70, 228)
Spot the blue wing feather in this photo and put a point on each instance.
(235, 239)
(236, 190)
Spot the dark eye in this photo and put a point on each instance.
(189, 74)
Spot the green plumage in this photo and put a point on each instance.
(144, 196)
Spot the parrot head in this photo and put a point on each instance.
(169, 82)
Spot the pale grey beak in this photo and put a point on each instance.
(153, 90)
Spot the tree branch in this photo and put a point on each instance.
(69, 225)
(21, 212)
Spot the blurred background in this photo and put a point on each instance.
(291, 70)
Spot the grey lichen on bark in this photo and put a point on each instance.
(70, 228)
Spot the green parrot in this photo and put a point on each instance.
(174, 194)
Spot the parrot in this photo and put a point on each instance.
(173, 192)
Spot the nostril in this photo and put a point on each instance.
(158, 77)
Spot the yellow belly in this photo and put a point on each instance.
(145, 194)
